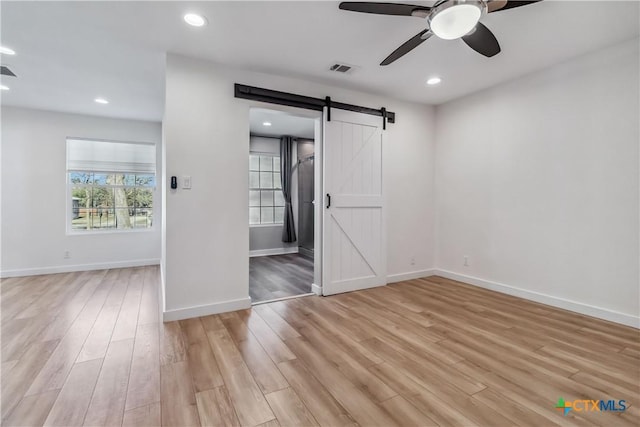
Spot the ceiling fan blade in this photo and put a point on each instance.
(382, 8)
(482, 40)
(493, 5)
(407, 47)
(504, 5)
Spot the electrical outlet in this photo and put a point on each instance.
(67, 254)
(466, 261)
(413, 260)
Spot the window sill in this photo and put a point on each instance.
(99, 232)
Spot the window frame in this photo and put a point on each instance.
(268, 224)
(70, 231)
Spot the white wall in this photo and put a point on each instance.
(34, 201)
(206, 129)
(537, 183)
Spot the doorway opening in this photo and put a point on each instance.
(282, 192)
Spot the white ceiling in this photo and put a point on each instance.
(282, 123)
(68, 53)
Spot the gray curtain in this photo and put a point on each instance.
(286, 162)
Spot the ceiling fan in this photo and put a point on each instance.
(447, 19)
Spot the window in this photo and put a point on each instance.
(110, 185)
(266, 201)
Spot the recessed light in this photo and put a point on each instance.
(434, 81)
(266, 123)
(3, 87)
(7, 51)
(195, 20)
(101, 101)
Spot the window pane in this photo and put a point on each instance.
(266, 163)
(279, 218)
(254, 163)
(254, 198)
(144, 198)
(101, 197)
(266, 215)
(254, 215)
(103, 179)
(276, 181)
(80, 177)
(266, 198)
(123, 218)
(254, 179)
(279, 198)
(143, 218)
(145, 181)
(276, 164)
(266, 180)
(123, 197)
(129, 180)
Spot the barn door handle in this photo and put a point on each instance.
(328, 200)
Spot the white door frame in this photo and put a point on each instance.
(318, 116)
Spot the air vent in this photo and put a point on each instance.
(5, 71)
(340, 68)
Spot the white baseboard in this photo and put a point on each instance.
(394, 278)
(274, 251)
(78, 267)
(205, 310)
(316, 289)
(578, 307)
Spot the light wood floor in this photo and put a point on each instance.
(88, 348)
(279, 276)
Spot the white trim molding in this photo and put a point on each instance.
(400, 277)
(578, 307)
(79, 267)
(316, 289)
(205, 310)
(273, 251)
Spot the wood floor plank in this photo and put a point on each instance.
(128, 317)
(215, 408)
(178, 402)
(361, 407)
(250, 404)
(405, 413)
(96, 344)
(90, 284)
(71, 404)
(202, 363)
(325, 409)
(107, 403)
(289, 409)
(264, 371)
(149, 303)
(32, 410)
(270, 341)
(144, 379)
(275, 322)
(148, 416)
(17, 380)
(172, 347)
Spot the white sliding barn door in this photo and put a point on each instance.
(354, 255)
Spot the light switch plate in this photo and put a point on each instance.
(186, 182)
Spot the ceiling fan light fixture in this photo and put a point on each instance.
(455, 18)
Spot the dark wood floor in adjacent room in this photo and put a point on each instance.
(279, 276)
(89, 349)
